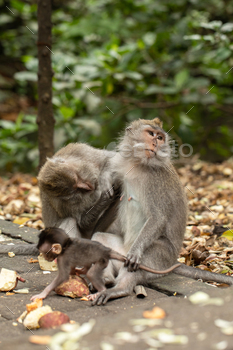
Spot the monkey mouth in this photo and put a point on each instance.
(150, 150)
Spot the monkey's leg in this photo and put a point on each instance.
(126, 282)
(159, 256)
(95, 275)
(114, 242)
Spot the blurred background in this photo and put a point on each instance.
(116, 61)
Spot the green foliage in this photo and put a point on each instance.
(137, 59)
(17, 143)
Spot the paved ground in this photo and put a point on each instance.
(184, 318)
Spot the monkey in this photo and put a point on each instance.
(152, 212)
(76, 179)
(92, 256)
(78, 192)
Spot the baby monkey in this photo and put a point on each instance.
(91, 257)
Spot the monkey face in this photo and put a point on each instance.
(47, 250)
(49, 256)
(154, 139)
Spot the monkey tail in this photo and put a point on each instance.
(160, 272)
(195, 273)
(117, 256)
(21, 249)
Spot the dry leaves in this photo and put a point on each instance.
(20, 200)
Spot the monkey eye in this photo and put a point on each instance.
(151, 132)
(160, 137)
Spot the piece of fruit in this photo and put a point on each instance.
(9, 280)
(40, 339)
(53, 319)
(156, 312)
(31, 321)
(34, 305)
(47, 265)
(75, 287)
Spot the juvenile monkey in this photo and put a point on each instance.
(78, 191)
(70, 253)
(152, 212)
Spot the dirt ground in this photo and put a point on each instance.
(195, 322)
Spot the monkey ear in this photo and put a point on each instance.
(158, 122)
(56, 248)
(129, 128)
(84, 185)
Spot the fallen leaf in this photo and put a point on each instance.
(21, 221)
(228, 234)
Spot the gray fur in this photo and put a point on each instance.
(76, 210)
(152, 213)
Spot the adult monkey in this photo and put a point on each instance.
(79, 193)
(152, 213)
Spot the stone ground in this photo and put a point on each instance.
(183, 317)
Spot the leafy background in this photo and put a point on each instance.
(140, 58)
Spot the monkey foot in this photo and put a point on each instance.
(129, 199)
(92, 297)
(121, 197)
(112, 293)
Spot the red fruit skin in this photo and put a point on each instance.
(76, 287)
(53, 319)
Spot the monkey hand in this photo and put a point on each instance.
(112, 293)
(38, 296)
(133, 260)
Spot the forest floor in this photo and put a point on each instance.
(121, 323)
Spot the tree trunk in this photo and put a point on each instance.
(45, 119)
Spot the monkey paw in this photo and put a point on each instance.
(132, 261)
(112, 293)
(38, 296)
(92, 297)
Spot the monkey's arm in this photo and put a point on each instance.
(63, 275)
(107, 206)
(151, 231)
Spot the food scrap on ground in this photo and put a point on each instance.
(156, 312)
(9, 280)
(75, 287)
(47, 265)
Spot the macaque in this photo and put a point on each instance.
(79, 255)
(152, 212)
(79, 192)
(77, 187)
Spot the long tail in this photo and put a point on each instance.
(160, 272)
(195, 273)
(21, 249)
(117, 256)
